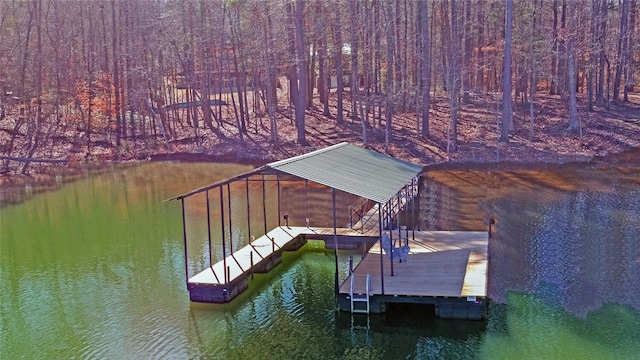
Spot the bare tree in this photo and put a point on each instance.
(426, 69)
(337, 52)
(355, 86)
(623, 48)
(573, 109)
(507, 116)
(302, 72)
(270, 74)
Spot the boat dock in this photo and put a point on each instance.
(446, 269)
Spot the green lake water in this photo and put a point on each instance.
(95, 270)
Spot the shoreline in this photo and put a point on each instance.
(15, 189)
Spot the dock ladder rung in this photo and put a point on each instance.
(360, 298)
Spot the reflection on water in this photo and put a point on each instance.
(95, 270)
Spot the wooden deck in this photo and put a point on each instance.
(252, 257)
(440, 264)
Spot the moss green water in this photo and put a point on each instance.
(95, 270)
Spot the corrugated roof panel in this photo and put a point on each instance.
(352, 169)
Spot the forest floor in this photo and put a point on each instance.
(613, 133)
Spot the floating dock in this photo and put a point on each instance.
(447, 269)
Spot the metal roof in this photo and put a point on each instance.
(344, 167)
(352, 169)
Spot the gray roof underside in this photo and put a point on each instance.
(344, 167)
(352, 169)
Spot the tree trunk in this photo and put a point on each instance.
(480, 42)
(532, 83)
(553, 86)
(507, 119)
(426, 69)
(291, 45)
(573, 109)
(592, 53)
(631, 39)
(116, 73)
(621, 62)
(323, 74)
(337, 31)
(302, 72)
(389, 81)
(600, 96)
(355, 86)
(270, 75)
(468, 50)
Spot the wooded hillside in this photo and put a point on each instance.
(106, 79)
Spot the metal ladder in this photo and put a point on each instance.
(360, 298)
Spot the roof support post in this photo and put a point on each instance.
(390, 224)
(278, 181)
(246, 183)
(230, 217)
(224, 246)
(335, 244)
(399, 223)
(381, 255)
(414, 195)
(306, 201)
(264, 206)
(209, 230)
(184, 240)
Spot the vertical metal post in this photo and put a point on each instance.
(390, 215)
(335, 243)
(246, 182)
(381, 255)
(418, 195)
(264, 206)
(413, 207)
(184, 240)
(230, 217)
(306, 201)
(209, 230)
(251, 267)
(278, 181)
(399, 199)
(224, 246)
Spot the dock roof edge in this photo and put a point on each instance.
(355, 170)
